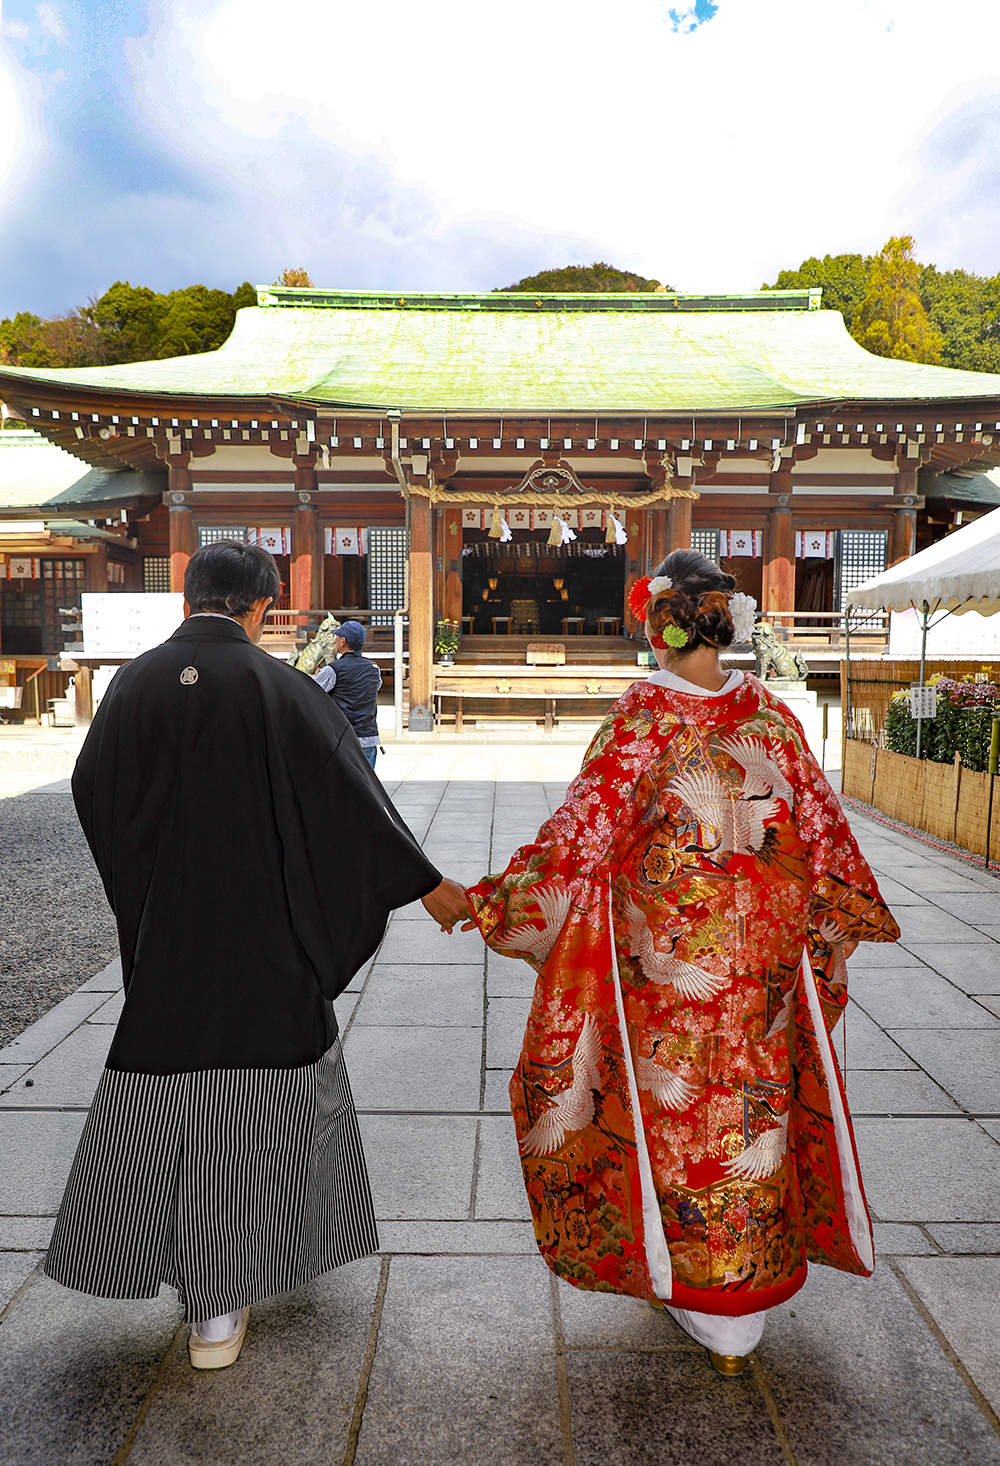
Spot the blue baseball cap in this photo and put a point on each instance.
(353, 633)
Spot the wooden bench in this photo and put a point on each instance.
(603, 684)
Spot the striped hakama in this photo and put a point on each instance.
(231, 1185)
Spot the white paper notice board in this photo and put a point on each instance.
(121, 625)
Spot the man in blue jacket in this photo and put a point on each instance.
(353, 683)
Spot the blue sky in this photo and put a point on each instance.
(437, 147)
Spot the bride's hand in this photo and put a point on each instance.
(447, 903)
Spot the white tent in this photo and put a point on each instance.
(960, 573)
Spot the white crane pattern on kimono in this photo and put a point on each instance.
(784, 1013)
(764, 1156)
(572, 1110)
(668, 1090)
(834, 937)
(553, 902)
(761, 775)
(687, 980)
(738, 822)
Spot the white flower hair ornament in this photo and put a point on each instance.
(658, 584)
(742, 609)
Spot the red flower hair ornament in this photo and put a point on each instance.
(643, 593)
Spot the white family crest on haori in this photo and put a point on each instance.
(764, 1156)
(762, 775)
(553, 902)
(737, 821)
(668, 1090)
(659, 967)
(574, 1108)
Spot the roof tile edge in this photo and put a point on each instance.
(641, 302)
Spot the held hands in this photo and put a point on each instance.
(448, 903)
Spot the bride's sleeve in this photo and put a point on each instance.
(521, 911)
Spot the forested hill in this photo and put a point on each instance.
(893, 305)
(128, 323)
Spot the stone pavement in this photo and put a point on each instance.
(455, 1344)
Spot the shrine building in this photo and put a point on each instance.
(508, 462)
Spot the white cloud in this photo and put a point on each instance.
(446, 147)
(709, 159)
(952, 201)
(51, 22)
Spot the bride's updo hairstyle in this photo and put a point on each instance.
(697, 602)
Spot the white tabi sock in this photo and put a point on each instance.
(217, 1330)
(736, 1337)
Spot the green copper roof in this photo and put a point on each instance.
(503, 354)
(35, 474)
(659, 301)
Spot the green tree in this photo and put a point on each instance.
(596, 278)
(891, 320)
(22, 341)
(127, 321)
(196, 319)
(64, 341)
(244, 295)
(844, 280)
(965, 310)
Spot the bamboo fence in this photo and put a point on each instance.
(868, 684)
(947, 800)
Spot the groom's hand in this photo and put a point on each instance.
(447, 903)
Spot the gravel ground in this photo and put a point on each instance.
(56, 928)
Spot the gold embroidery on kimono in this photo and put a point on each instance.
(727, 856)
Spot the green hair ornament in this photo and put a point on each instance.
(675, 636)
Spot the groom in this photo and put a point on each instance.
(223, 797)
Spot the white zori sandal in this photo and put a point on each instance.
(215, 1352)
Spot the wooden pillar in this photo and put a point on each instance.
(182, 535)
(778, 592)
(679, 520)
(437, 526)
(306, 589)
(96, 571)
(635, 562)
(453, 564)
(658, 537)
(182, 545)
(903, 538)
(421, 616)
(84, 689)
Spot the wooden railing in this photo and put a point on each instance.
(827, 628)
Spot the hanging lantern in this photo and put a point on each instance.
(492, 582)
(558, 584)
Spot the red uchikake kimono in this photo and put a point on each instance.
(701, 832)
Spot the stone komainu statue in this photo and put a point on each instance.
(774, 659)
(320, 650)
